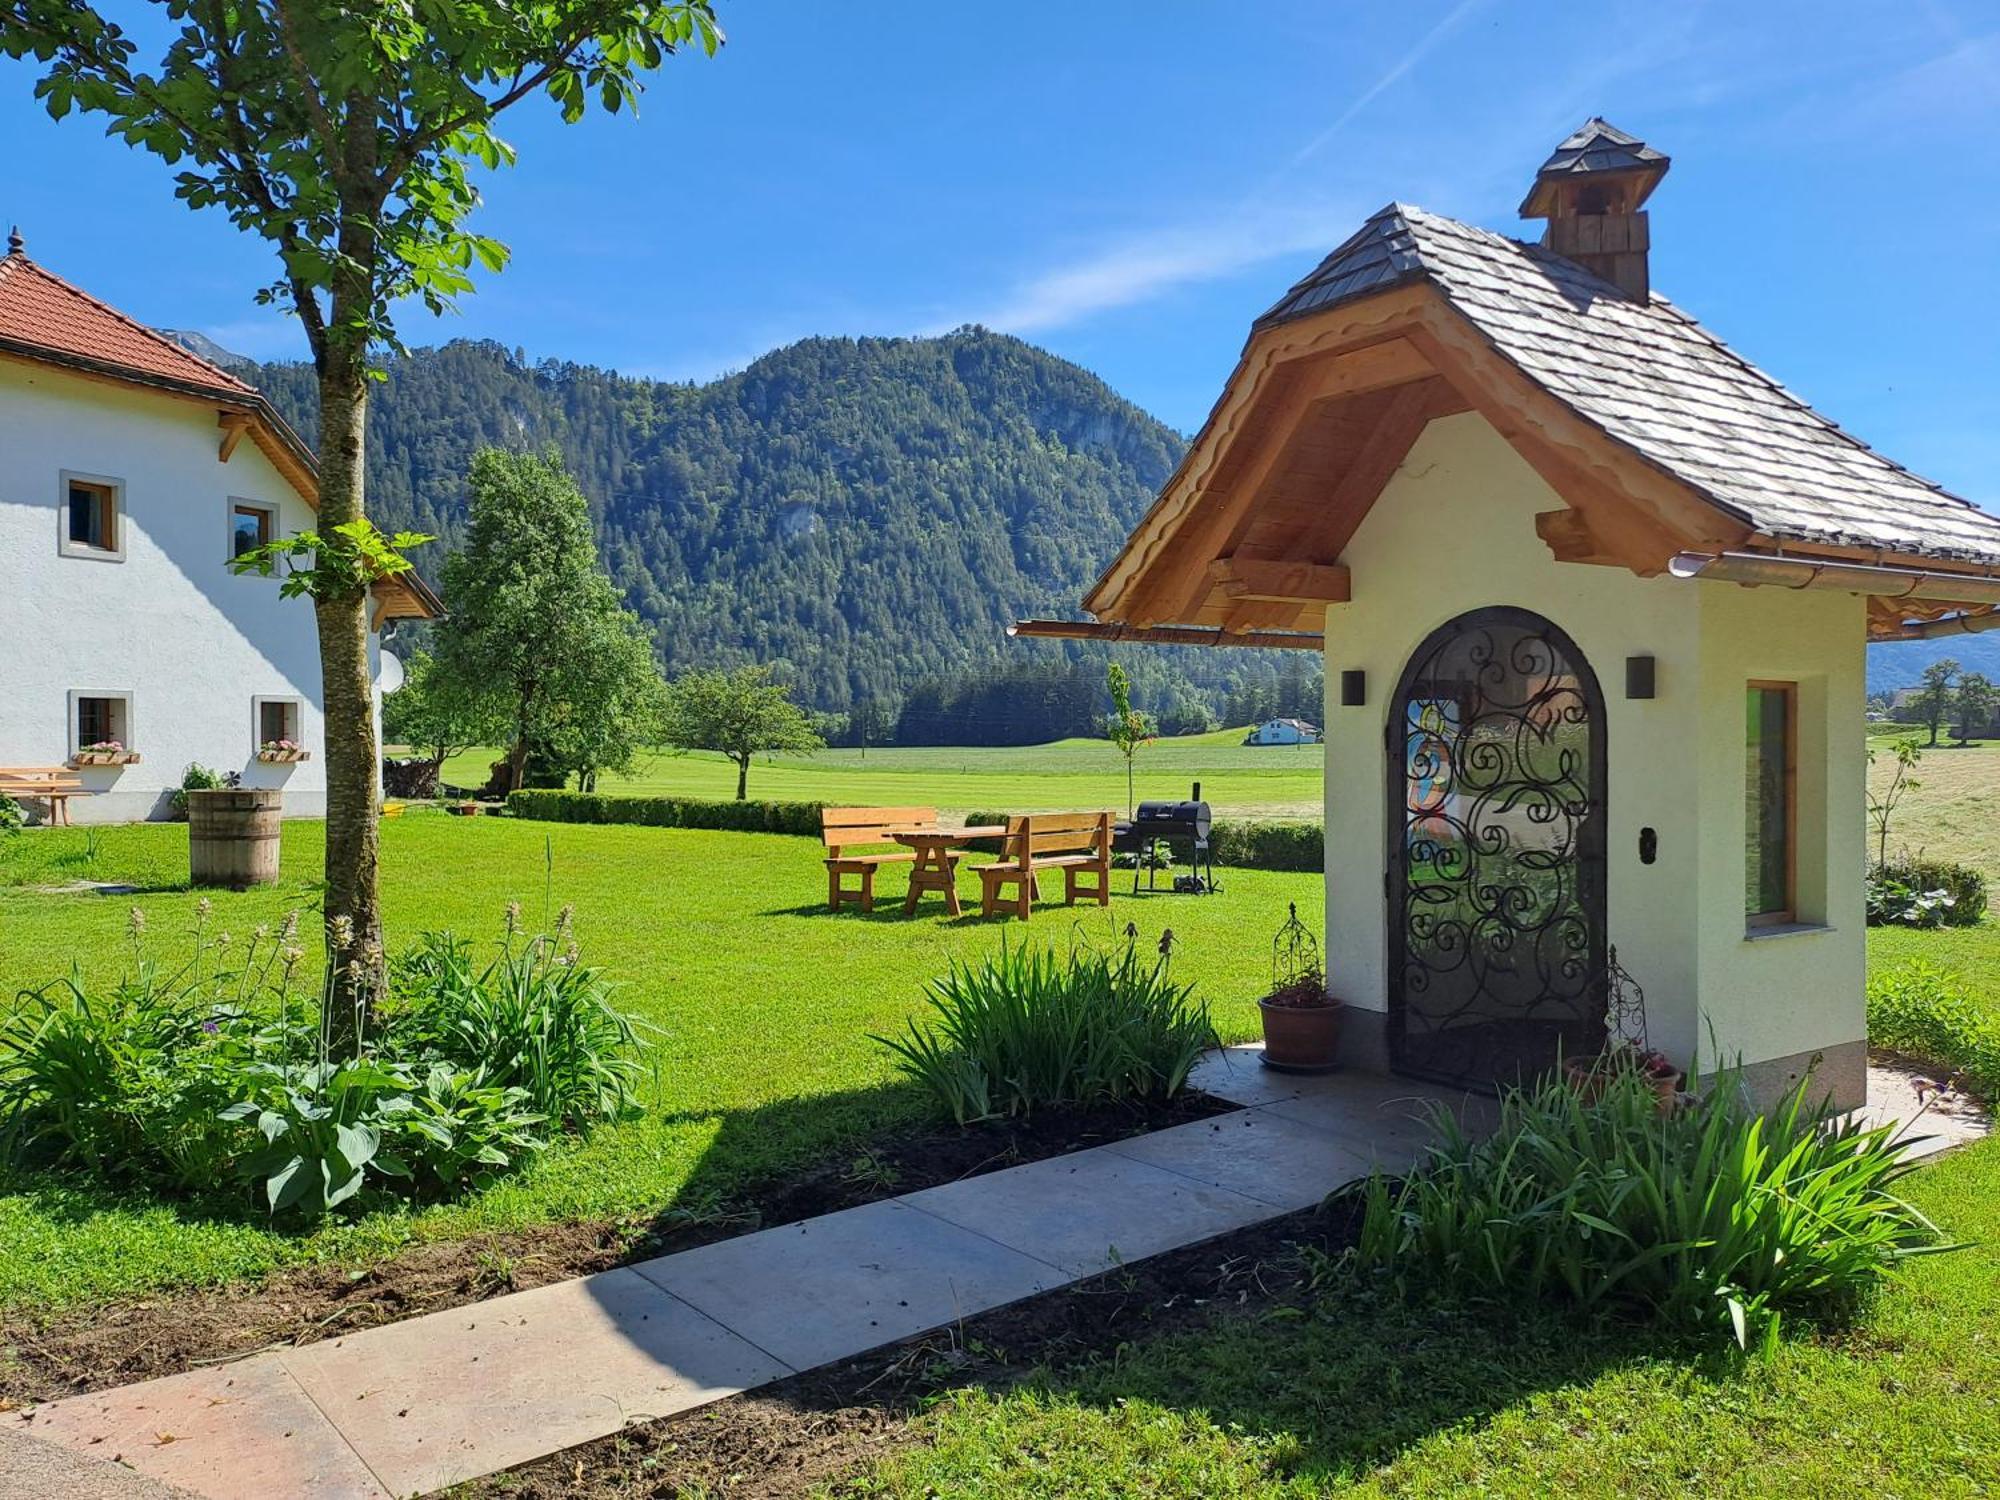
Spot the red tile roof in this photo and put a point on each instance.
(41, 314)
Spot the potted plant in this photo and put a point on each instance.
(104, 753)
(1626, 1048)
(1301, 1020)
(282, 752)
(1591, 1076)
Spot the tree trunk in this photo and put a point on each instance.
(742, 778)
(353, 755)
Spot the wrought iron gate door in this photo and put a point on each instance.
(1496, 853)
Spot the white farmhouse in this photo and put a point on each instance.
(131, 471)
(1283, 732)
(1594, 594)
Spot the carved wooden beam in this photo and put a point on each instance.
(1282, 582)
(234, 424)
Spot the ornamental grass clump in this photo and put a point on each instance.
(1715, 1221)
(1027, 1028)
(227, 1068)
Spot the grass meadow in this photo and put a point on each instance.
(762, 1004)
(1239, 781)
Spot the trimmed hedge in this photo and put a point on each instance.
(800, 818)
(1296, 847)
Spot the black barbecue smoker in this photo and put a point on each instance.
(1183, 826)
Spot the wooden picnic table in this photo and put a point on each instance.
(936, 868)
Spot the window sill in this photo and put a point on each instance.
(89, 553)
(1785, 930)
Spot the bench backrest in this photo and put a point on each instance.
(1033, 835)
(39, 778)
(862, 827)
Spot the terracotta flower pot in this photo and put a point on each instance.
(1588, 1081)
(1302, 1038)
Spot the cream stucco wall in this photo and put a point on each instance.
(1454, 531)
(193, 644)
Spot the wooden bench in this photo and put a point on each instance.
(845, 829)
(1078, 844)
(54, 785)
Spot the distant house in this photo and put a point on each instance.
(1283, 732)
(127, 487)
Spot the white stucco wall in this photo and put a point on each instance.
(193, 644)
(1454, 531)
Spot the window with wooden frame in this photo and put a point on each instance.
(277, 721)
(99, 720)
(93, 521)
(251, 525)
(1771, 789)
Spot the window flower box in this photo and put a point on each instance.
(105, 753)
(282, 753)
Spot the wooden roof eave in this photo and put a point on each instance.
(1269, 357)
(1635, 514)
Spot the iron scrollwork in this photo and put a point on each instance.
(1496, 852)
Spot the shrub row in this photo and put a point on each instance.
(1925, 893)
(801, 818)
(1921, 1010)
(1248, 846)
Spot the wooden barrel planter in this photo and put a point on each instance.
(233, 836)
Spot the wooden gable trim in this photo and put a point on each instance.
(1282, 582)
(1268, 361)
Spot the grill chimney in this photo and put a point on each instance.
(1590, 191)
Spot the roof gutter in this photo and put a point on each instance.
(1165, 635)
(1759, 569)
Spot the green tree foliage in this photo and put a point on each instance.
(345, 136)
(739, 713)
(437, 713)
(875, 512)
(534, 622)
(1125, 726)
(1934, 701)
(1972, 705)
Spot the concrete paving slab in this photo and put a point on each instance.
(1928, 1117)
(244, 1431)
(831, 1287)
(31, 1469)
(448, 1397)
(1253, 1152)
(1091, 1210)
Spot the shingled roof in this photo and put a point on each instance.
(1652, 378)
(41, 315)
(1598, 149)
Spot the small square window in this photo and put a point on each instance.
(250, 526)
(100, 721)
(92, 519)
(277, 719)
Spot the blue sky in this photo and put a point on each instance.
(1129, 184)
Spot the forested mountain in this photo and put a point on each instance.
(873, 513)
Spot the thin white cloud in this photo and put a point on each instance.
(1254, 231)
(1140, 269)
(1394, 74)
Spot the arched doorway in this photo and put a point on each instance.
(1496, 852)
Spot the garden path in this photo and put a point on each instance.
(415, 1406)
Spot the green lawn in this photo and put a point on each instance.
(1377, 1399)
(764, 1003)
(1272, 781)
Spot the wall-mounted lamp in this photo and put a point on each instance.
(1353, 687)
(1639, 676)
